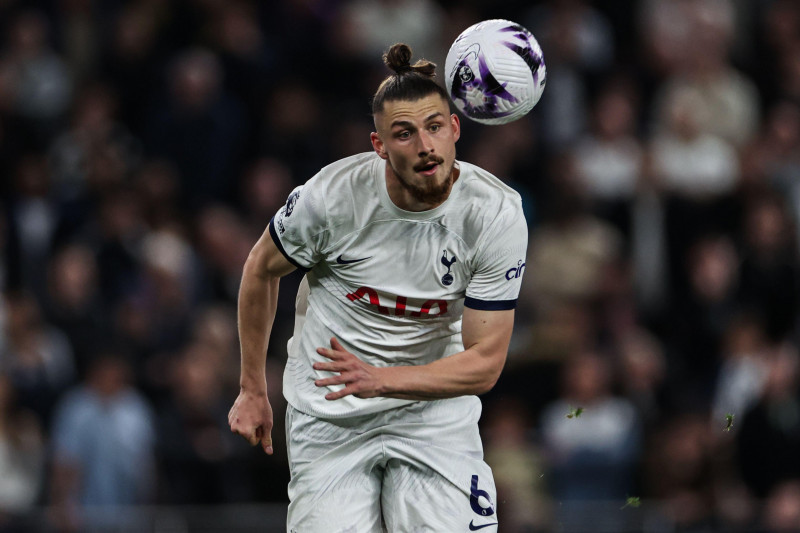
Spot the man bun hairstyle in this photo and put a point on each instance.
(409, 82)
(398, 58)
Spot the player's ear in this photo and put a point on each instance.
(455, 122)
(378, 145)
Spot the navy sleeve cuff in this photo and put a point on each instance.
(277, 242)
(496, 305)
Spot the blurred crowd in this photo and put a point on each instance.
(145, 144)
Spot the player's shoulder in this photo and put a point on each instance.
(344, 190)
(484, 184)
(486, 192)
(485, 208)
(346, 174)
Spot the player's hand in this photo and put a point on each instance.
(251, 417)
(359, 378)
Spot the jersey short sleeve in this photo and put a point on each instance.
(499, 263)
(299, 227)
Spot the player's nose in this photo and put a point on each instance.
(425, 144)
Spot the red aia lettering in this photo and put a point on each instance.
(400, 304)
(374, 299)
(425, 310)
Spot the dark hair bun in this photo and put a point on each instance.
(398, 58)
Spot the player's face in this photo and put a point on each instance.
(418, 141)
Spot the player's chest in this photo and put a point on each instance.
(410, 257)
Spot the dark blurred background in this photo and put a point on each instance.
(652, 383)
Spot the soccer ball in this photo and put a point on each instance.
(495, 72)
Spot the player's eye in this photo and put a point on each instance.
(405, 134)
(435, 127)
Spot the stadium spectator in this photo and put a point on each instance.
(95, 135)
(609, 159)
(103, 448)
(580, 45)
(518, 465)
(198, 456)
(200, 126)
(37, 357)
(743, 370)
(592, 441)
(770, 431)
(678, 469)
(22, 458)
(41, 84)
(570, 255)
(74, 303)
(32, 223)
(726, 101)
(701, 316)
(769, 279)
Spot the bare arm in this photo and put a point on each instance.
(251, 414)
(486, 336)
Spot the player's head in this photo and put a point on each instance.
(416, 133)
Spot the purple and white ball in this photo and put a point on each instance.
(495, 72)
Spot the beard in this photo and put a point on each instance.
(429, 191)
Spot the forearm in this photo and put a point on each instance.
(486, 336)
(464, 373)
(258, 301)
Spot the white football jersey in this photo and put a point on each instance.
(391, 284)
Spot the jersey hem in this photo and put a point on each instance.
(385, 404)
(496, 305)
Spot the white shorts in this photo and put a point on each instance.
(417, 468)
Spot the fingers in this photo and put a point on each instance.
(249, 435)
(336, 345)
(330, 367)
(352, 385)
(339, 379)
(346, 367)
(336, 351)
(341, 368)
(333, 380)
(330, 354)
(258, 435)
(266, 440)
(340, 393)
(253, 431)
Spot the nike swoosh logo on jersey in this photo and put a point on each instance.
(341, 261)
(473, 527)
